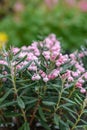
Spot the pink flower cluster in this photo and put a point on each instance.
(47, 54)
(82, 4)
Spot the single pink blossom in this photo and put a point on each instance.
(82, 90)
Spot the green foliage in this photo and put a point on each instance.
(37, 21)
(47, 103)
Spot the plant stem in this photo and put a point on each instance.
(60, 95)
(35, 110)
(71, 92)
(16, 94)
(24, 115)
(78, 119)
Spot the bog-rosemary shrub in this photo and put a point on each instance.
(41, 85)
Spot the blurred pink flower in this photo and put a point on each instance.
(51, 3)
(82, 90)
(71, 2)
(82, 5)
(18, 7)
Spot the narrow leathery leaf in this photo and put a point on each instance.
(55, 85)
(85, 127)
(29, 73)
(70, 86)
(68, 100)
(4, 76)
(22, 81)
(29, 98)
(30, 102)
(53, 88)
(37, 64)
(81, 127)
(26, 126)
(20, 102)
(56, 119)
(83, 121)
(72, 115)
(66, 92)
(66, 104)
(12, 114)
(30, 106)
(85, 111)
(77, 101)
(27, 86)
(21, 128)
(41, 114)
(65, 67)
(48, 103)
(5, 96)
(25, 67)
(63, 125)
(45, 125)
(79, 98)
(68, 109)
(22, 59)
(5, 65)
(16, 56)
(70, 122)
(8, 104)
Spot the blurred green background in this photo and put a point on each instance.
(25, 21)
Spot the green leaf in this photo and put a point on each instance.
(16, 56)
(11, 114)
(25, 67)
(77, 101)
(45, 125)
(26, 126)
(66, 104)
(4, 76)
(7, 104)
(56, 119)
(79, 98)
(55, 85)
(63, 125)
(20, 102)
(37, 64)
(72, 115)
(21, 60)
(32, 101)
(5, 96)
(68, 100)
(41, 114)
(27, 86)
(69, 109)
(48, 103)
(70, 86)
(85, 111)
(83, 121)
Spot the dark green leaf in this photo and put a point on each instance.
(26, 126)
(56, 119)
(45, 125)
(41, 114)
(48, 103)
(25, 67)
(7, 104)
(5, 96)
(20, 102)
(68, 100)
(21, 60)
